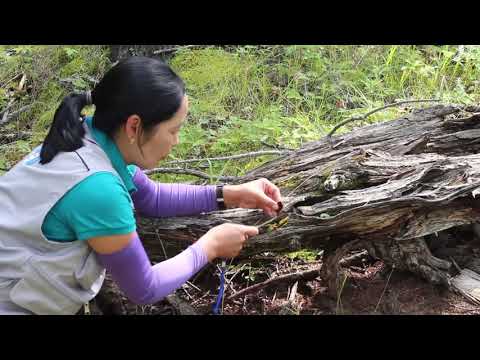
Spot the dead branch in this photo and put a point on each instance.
(305, 275)
(355, 118)
(232, 157)
(192, 172)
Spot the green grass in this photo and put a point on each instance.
(289, 95)
(280, 95)
(306, 255)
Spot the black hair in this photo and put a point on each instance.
(141, 86)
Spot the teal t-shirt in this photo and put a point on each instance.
(99, 205)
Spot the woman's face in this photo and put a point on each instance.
(162, 138)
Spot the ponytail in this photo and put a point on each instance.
(66, 132)
(137, 85)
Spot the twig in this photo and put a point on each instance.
(186, 292)
(233, 157)
(200, 298)
(244, 307)
(236, 273)
(339, 295)
(161, 243)
(274, 219)
(308, 274)
(229, 281)
(193, 286)
(230, 285)
(197, 173)
(386, 285)
(374, 111)
(276, 146)
(9, 81)
(348, 260)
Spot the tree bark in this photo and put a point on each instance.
(119, 52)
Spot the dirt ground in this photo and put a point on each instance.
(370, 289)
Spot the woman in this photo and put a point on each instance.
(67, 211)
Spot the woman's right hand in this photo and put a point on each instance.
(226, 240)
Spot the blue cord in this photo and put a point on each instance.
(218, 303)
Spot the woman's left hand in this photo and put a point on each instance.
(257, 194)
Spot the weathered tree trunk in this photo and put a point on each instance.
(384, 187)
(118, 52)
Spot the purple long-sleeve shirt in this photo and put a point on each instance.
(166, 200)
(131, 268)
(145, 284)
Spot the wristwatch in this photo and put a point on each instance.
(220, 200)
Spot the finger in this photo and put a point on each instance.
(275, 194)
(269, 212)
(250, 231)
(267, 203)
(272, 191)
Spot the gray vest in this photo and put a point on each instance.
(38, 276)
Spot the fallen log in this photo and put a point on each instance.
(382, 187)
